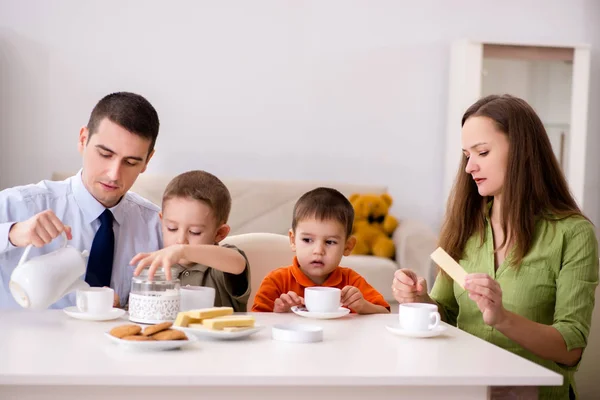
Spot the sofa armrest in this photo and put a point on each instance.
(414, 242)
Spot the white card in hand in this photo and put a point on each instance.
(451, 267)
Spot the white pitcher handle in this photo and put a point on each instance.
(28, 248)
(80, 302)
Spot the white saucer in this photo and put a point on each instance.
(112, 314)
(215, 334)
(302, 311)
(397, 330)
(297, 333)
(150, 345)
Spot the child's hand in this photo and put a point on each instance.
(287, 301)
(353, 298)
(162, 258)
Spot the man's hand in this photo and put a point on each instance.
(38, 230)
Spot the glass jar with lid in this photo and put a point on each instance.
(153, 301)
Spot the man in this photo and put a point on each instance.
(93, 208)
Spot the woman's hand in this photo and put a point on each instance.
(407, 287)
(486, 292)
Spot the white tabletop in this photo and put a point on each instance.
(50, 348)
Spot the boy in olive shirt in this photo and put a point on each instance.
(195, 209)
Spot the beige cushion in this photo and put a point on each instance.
(378, 271)
(267, 206)
(257, 205)
(265, 252)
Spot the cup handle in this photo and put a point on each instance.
(28, 249)
(436, 319)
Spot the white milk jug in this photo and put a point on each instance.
(38, 283)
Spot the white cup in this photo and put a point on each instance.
(418, 316)
(322, 299)
(195, 297)
(95, 300)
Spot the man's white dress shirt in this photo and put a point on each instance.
(136, 226)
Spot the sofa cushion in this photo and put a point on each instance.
(266, 206)
(265, 252)
(257, 205)
(378, 271)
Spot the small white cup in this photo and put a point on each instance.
(418, 316)
(322, 299)
(195, 297)
(95, 300)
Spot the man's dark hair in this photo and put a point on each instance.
(130, 111)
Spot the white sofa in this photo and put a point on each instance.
(266, 206)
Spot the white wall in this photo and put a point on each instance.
(333, 90)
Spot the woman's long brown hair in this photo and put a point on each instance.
(534, 184)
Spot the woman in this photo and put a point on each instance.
(530, 254)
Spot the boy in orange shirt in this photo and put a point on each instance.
(321, 234)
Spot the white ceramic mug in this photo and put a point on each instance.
(322, 299)
(95, 300)
(418, 316)
(196, 297)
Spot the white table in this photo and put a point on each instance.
(50, 355)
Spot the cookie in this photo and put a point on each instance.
(170, 334)
(125, 330)
(151, 330)
(140, 338)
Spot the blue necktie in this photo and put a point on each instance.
(100, 262)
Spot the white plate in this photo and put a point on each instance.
(397, 330)
(112, 314)
(215, 334)
(151, 345)
(340, 312)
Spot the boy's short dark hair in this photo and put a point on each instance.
(201, 186)
(129, 110)
(324, 204)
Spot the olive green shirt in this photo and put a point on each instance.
(230, 290)
(554, 285)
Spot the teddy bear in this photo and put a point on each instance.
(373, 226)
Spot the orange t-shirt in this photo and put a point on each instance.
(291, 278)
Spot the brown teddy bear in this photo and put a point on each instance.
(373, 226)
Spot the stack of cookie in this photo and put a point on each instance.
(215, 318)
(161, 331)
